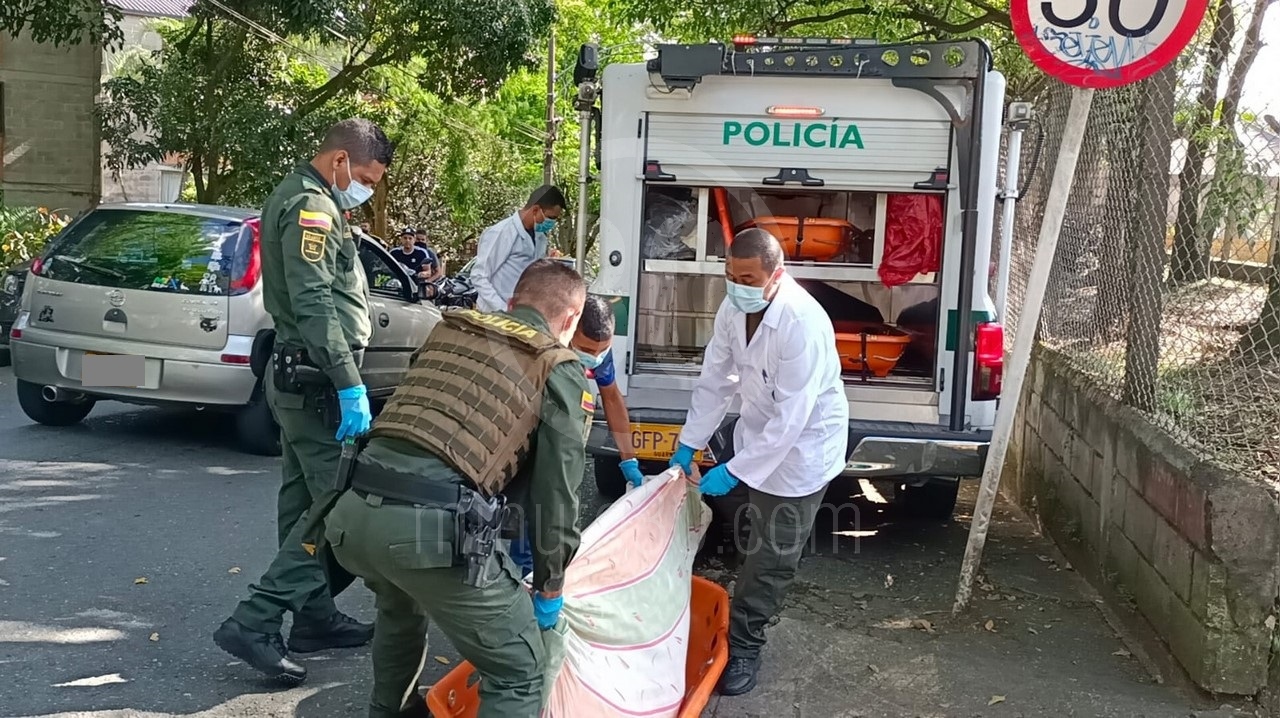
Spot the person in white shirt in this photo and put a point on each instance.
(774, 347)
(510, 246)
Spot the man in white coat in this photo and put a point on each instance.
(774, 347)
(508, 248)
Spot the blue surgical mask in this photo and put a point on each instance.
(545, 226)
(354, 195)
(746, 298)
(590, 361)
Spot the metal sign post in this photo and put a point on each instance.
(1108, 43)
(1020, 358)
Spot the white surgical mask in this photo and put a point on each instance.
(354, 195)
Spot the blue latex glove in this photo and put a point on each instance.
(547, 610)
(631, 470)
(356, 416)
(683, 458)
(718, 481)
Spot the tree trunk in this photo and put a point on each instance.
(1263, 338)
(1146, 244)
(1123, 150)
(1190, 261)
(1220, 203)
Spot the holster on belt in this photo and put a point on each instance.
(313, 529)
(294, 373)
(478, 519)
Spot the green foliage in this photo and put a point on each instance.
(61, 22)
(239, 102)
(25, 230)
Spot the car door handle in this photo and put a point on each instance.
(383, 319)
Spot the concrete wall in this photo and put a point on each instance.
(50, 154)
(1196, 547)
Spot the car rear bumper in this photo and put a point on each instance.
(169, 381)
(876, 449)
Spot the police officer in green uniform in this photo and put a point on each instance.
(493, 406)
(315, 290)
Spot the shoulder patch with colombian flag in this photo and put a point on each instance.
(315, 220)
(588, 402)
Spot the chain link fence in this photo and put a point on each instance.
(1165, 286)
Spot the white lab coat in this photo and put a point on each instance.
(505, 250)
(793, 428)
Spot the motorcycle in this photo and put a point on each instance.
(453, 291)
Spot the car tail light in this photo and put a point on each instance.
(19, 324)
(37, 266)
(235, 358)
(253, 268)
(988, 363)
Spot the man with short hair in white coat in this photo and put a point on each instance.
(510, 246)
(773, 346)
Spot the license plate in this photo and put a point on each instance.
(119, 370)
(657, 442)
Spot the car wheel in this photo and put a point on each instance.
(609, 479)
(256, 428)
(51, 413)
(932, 500)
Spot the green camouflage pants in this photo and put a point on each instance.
(296, 581)
(405, 554)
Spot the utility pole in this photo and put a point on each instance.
(549, 151)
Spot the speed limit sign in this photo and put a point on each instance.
(1104, 43)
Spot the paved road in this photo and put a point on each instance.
(88, 512)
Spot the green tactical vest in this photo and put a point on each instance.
(473, 395)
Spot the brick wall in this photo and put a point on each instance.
(50, 131)
(1196, 547)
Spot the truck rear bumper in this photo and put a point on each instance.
(877, 449)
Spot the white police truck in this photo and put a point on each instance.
(876, 165)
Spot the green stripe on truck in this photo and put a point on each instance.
(621, 312)
(953, 324)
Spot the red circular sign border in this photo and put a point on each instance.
(1166, 52)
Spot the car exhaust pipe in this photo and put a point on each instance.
(53, 394)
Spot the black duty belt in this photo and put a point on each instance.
(405, 488)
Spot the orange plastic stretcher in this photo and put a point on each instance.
(457, 695)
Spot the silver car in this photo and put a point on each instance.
(162, 305)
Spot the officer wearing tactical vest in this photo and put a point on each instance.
(314, 288)
(493, 406)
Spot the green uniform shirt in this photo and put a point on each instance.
(313, 285)
(546, 487)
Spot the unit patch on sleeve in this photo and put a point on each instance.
(588, 402)
(315, 220)
(313, 246)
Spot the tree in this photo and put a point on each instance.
(1210, 129)
(244, 87)
(61, 22)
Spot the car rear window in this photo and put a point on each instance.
(159, 251)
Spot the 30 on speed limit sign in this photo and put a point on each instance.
(1104, 43)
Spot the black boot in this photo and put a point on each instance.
(338, 631)
(262, 651)
(739, 676)
(417, 708)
